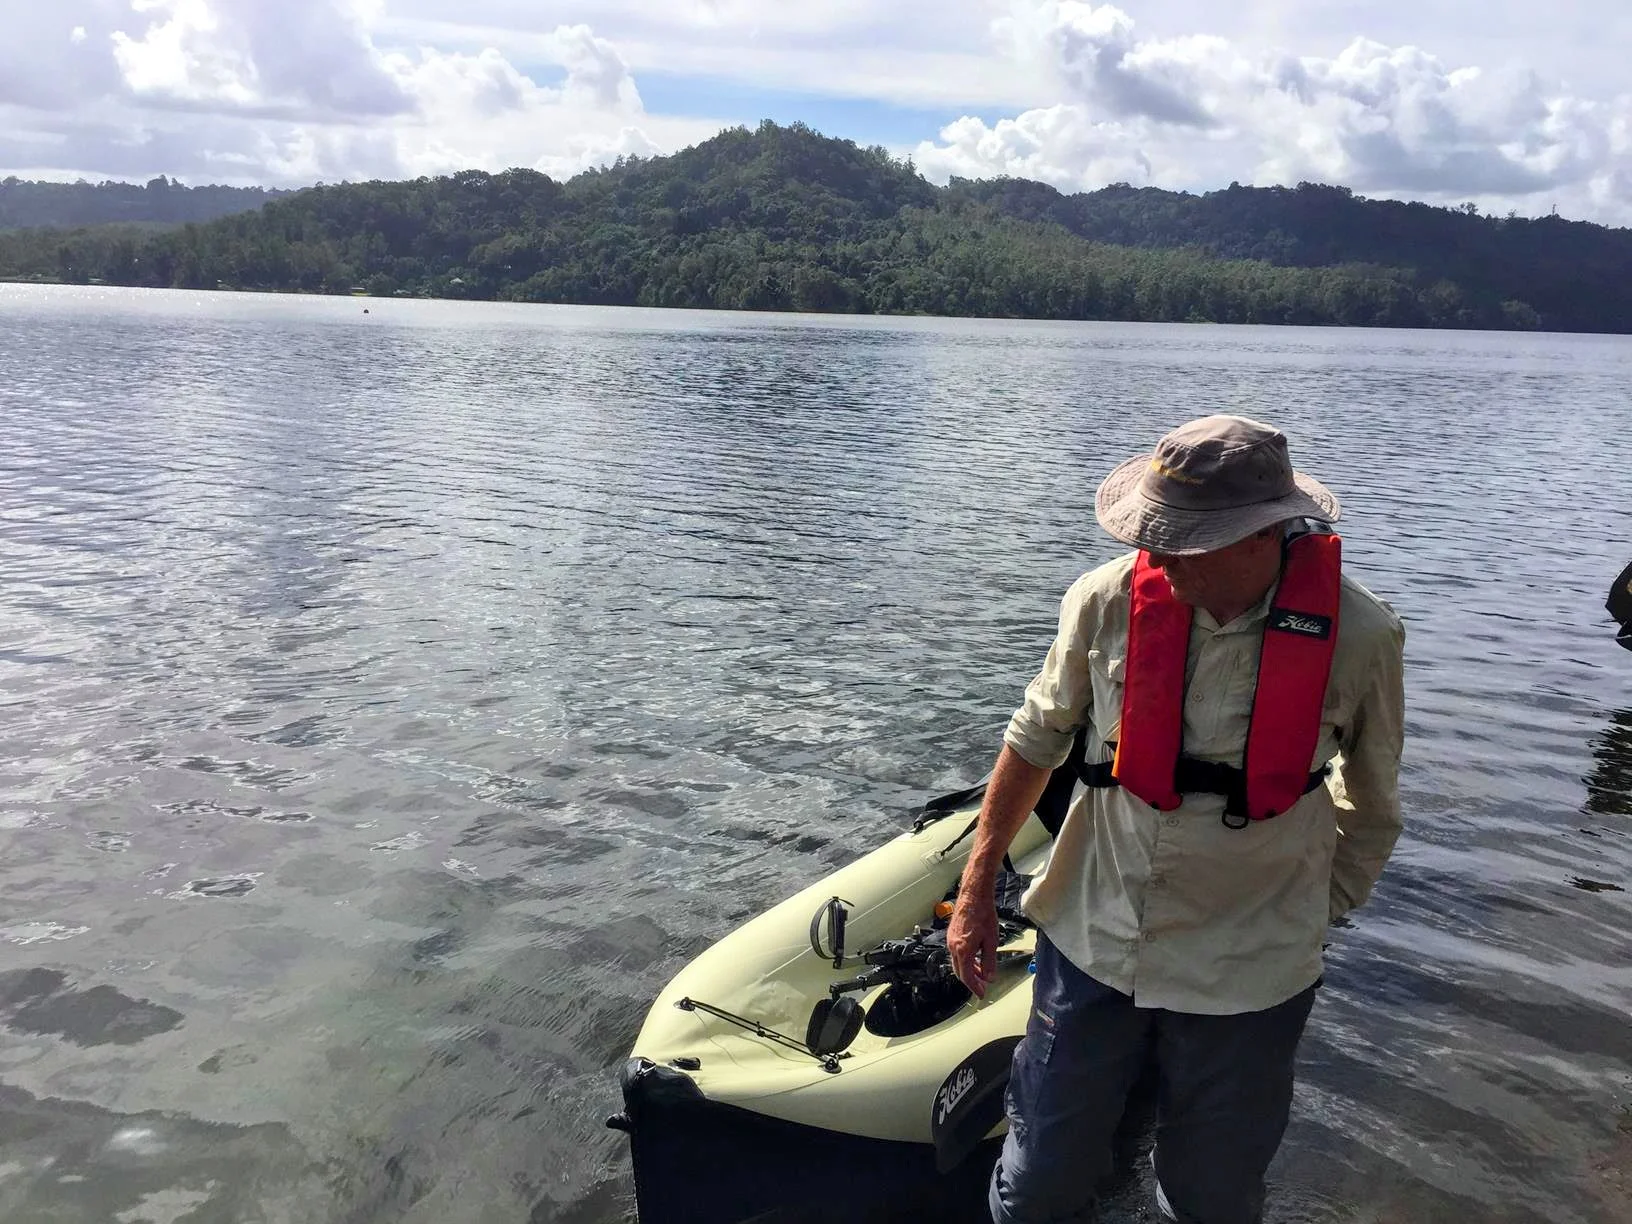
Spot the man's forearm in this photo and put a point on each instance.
(1363, 848)
(1013, 792)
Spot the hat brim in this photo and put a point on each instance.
(1135, 519)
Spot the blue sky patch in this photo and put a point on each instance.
(862, 120)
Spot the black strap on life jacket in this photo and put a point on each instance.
(1197, 777)
(1050, 809)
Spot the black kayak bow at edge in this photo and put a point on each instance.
(969, 1102)
(1619, 605)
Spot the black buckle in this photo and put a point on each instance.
(1235, 801)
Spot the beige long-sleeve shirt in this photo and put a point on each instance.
(1175, 908)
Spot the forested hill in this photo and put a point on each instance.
(784, 218)
(1574, 272)
(161, 201)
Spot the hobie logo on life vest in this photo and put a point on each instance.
(1305, 623)
(953, 1091)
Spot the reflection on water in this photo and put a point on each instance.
(392, 703)
(1609, 785)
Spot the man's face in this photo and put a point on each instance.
(1226, 576)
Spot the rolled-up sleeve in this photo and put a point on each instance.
(1057, 700)
(1366, 783)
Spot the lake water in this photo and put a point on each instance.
(392, 701)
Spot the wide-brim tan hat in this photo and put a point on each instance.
(1207, 485)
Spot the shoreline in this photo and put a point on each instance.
(750, 312)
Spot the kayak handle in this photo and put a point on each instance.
(832, 915)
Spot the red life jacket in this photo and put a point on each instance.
(1293, 666)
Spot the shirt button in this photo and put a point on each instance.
(1157, 881)
(1196, 698)
(1172, 821)
(1150, 936)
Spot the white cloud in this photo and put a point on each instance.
(242, 90)
(481, 111)
(596, 73)
(448, 87)
(587, 152)
(924, 24)
(1055, 144)
(910, 52)
(1397, 119)
(240, 53)
(178, 58)
(1197, 112)
(52, 56)
(1094, 52)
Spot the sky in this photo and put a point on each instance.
(1509, 105)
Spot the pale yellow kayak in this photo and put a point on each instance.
(723, 1065)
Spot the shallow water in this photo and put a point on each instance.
(392, 702)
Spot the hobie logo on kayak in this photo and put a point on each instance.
(953, 1091)
(1305, 623)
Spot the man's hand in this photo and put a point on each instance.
(971, 938)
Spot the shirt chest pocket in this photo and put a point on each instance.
(1107, 674)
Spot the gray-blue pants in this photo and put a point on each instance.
(1224, 1092)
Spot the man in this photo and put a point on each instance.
(1242, 706)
